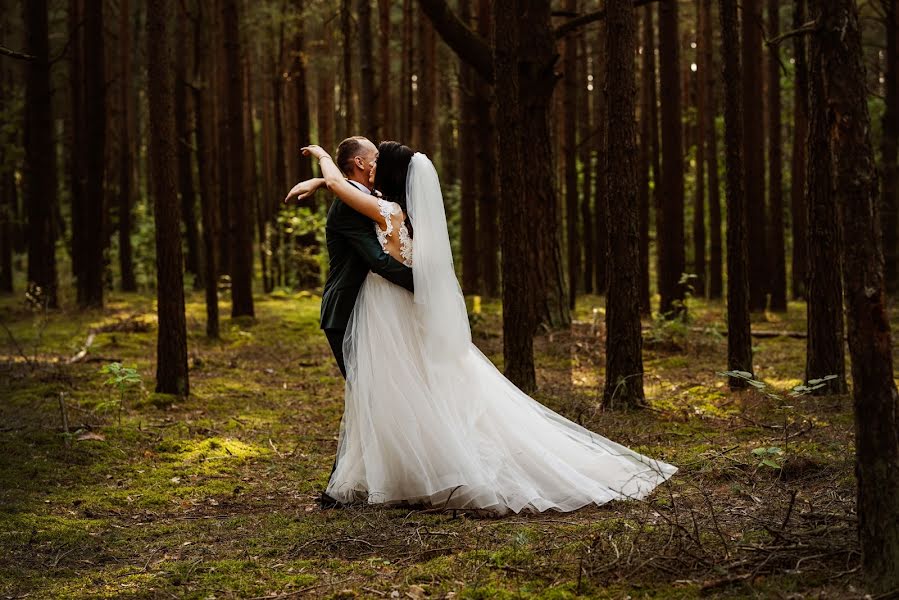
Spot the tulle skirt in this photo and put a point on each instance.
(459, 434)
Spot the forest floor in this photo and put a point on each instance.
(213, 496)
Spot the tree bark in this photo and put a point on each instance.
(670, 225)
(406, 97)
(889, 150)
(601, 214)
(776, 245)
(348, 97)
(838, 46)
(426, 97)
(798, 210)
(186, 187)
(754, 153)
(699, 238)
(469, 139)
(239, 209)
(488, 179)
(647, 108)
(310, 272)
(385, 120)
(739, 339)
(40, 156)
(537, 58)
(518, 251)
(8, 191)
(624, 341)
(368, 125)
(570, 90)
(88, 215)
(586, 125)
(716, 285)
(204, 56)
(825, 350)
(126, 158)
(171, 348)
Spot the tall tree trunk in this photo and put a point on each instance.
(385, 120)
(347, 85)
(825, 350)
(647, 85)
(77, 167)
(223, 165)
(777, 248)
(299, 76)
(699, 238)
(488, 180)
(754, 152)
(624, 341)
(518, 251)
(186, 186)
(171, 347)
(601, 203)
(716, 285)
(95, 206)
(426, 105)
(586, 125)
(204, 90)
(569, 153)
(798, 210)
(469, 139)
(889, 150)
(309, 277)
(88, 218)
(368, 125)
(739, 337)
(448, 108)
(536, 53)
(40, 156)
(8, 191)
(239, 209)
(670, 223)
(252, 196)
(838, 46)
(406, 98)
(655, 142)
(126, 158)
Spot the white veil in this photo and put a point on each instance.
(439, 303)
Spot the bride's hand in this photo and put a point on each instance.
(303, 190)
(315, 151)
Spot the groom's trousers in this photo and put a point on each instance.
(335, 339)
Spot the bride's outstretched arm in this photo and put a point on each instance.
(304, 189)
(361, 202)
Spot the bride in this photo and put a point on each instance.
(428, 418)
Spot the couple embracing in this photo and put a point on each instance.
(428, 419)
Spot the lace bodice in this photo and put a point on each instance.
(401, 242)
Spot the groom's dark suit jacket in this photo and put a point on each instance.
(353, 251)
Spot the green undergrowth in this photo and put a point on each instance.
(213, 495)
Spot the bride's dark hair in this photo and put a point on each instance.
(390, 177)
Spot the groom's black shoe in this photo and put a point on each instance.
(325, 501)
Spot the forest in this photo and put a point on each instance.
(674, 222)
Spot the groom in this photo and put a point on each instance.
(353, 248)
(353, 251)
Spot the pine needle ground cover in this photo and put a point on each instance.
(108, 490)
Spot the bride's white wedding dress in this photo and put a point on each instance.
(429, 419)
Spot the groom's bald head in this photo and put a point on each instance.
(355, 154)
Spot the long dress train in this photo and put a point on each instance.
(422, 426)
